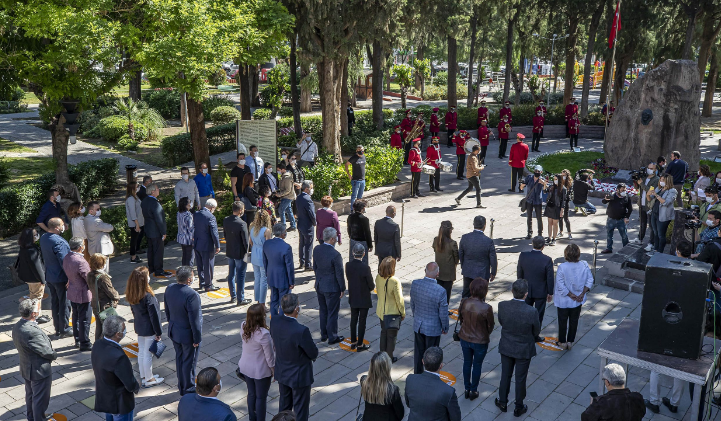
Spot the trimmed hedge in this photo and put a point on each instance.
(224, 115)
(166, 101)
(115, 127)
(178, 148)
(20, 203)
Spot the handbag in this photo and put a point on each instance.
(240, 375)
(390, 321)
(248, 204)
(456, 336)
(15, 276)
(104, 314)
(247, 257)
(157, 348)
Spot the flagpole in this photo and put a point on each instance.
(611, 80)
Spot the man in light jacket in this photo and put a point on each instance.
(98, 234)
(187, 188)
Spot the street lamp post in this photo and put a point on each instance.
(553, 44)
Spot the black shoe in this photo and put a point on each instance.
(529, 236)
(433, 190)
(136, 260)
(474, 395)
(607, 251)
(323, 339)
(233, 300)
(42, 319)
(421, 194)
(520, 410)
(336, 340)
(77, 344)
(437, 189)
(667, 404)
(503, 407)
(540, 339)
(308, 269)
(353, 345)
(164, 273)
(67, 332)
(363, 348)
(654, 408)
(290, 229)
(212, 288)
(467, 394)
(86, 348)
(245, 302)
(394, 360)
(512, 190)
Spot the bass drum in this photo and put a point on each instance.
(470, 143)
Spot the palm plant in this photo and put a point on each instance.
(140, 112)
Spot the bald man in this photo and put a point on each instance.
(430, 314)
(387, 236)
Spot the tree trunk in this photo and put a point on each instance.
(592, 28)
(254, 74)
(388, 75)
(605, 80)
(135, 80)
(295, 101)
(555, 78)
(332, 71)
(708, 38)
(474, 31)
(622, 63)
(713, 75)
(377, 63)
(480, 68)
(420, 55)
(305, 94)
(183, 111)
(452, 72)
(344, 99)
(245, 91)
(691, 12)
(509, 55)
(521, 71)
(568, 84)
(60, 138)
(198, 138)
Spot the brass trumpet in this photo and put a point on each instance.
(507, 127)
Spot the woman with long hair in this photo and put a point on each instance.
(146, 318)
(186, 230)
(76, 213)
(252, 196)
(31, 268)
(568, 185)
(662, 212)
(446, 249)
(554, 207)
(257, 362)
(382, 397)
(136, 223)
(476, 319)
(259, 232)
(573, 280)
(699, 187)
(103, 292)
(390, 302)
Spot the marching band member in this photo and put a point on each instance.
(506, 110)
(460, 153)
(482, 113)
(571, 109)
(517, 161)
(451, 121)
(484, 134)
(396, 138)
(435, 124)
(538, 123)
(407, 126)
(433, 156)
(542, 108)
(573, 123)
(414, 159)
(504, 127)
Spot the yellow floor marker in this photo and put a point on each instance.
(221, 293)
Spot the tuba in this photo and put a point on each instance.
(507, 127)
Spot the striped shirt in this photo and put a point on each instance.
(186, 228)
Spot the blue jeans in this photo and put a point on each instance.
(589, 207)
(659, 232)
(284, 210)
(120, 417)
(358, 187)
(260, 286)
(236, 276)
(275, 297)
(612, 224)
(473, 355)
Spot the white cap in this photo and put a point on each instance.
(538, 168)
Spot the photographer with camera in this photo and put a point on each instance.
(618, 211)
(662, 212)
(534, 199)
(644, 185)
(709, 232)
(582, 184)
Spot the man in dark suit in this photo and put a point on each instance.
(115, 382)
(142, 191)
(236, 245)
(36, 353)
(387, 236)
(360, 285)
(295, 353)
(155, 230)
(206, 242)
(54, 248)
(306, 222)
(430, 314)
(428, 397)
(477, 255)
(329, 285)
(520, 327)
(537, 269)
(185, 327)
(278, 263)
(204, 405)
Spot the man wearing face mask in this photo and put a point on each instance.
(582, 184)
(204, 405)
(286, 194)
(253, 163)
(645, 205)
(308, 150)
(51, 209)
(358, 175)
(206, 242)
(268, 179)
(115, 384)
(517, 161)
(711, 203)
(451, 121)
(433, 155)
(54, 248)
(98, 234)
(677, 168)
(237, 174)
(618, 211)
(306, 222)
(534, 200)
(538, 122)
(709, 231)
(204, 183)
(187, 188)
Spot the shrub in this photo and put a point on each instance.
(114, 127)
(20, 203)
(527, 98)
(595, 118)
(311, 124)
(165, 101)
(286, 112)
(289, 140)
(125, 142)
(178, 148)
(148, 117)
(261, 114)
(217, 78)
(224, 115)
(441, 79)
(88, 120)
(214, 101)
(4, 173)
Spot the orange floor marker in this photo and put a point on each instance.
(166, 277)
(131, 350)
(70, 322)
(345, 345)
(549, 344)
(448, 378)
(58, 417)
(454, 314)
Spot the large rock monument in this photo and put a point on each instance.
(659, 114)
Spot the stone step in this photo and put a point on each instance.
(625, 284)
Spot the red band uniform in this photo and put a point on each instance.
(433, 155)
(571, 109)
(396, 138)
(435, 125)
(482, 113)
(459, 141)
(506, 110)
(517, 160)
(503, 136)
(538, 123)
(451, 120)
(573, 125)
(542, 108)
(484, 134)
(416, 162)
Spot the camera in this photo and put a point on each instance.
(692, 216)
(638, 174)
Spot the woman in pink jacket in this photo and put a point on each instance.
(257, 362)
(325, 218)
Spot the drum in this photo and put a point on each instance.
(427, 169)
(446, 166)
(470, 143)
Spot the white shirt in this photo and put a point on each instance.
(309, 150)
(78, 226)
(433, 372)
(255, 165)
(571, 277)
(107, 339)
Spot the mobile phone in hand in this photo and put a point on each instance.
(593, 394)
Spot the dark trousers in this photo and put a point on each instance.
(516, 175)
(434, 181)
(328, 306)
(82, 314)
(574, 140)
(473, 183)
(466, 292)
(568, 317)
(257, 397)
(305, 247)
(450, 137)
(508, 364)
(536, 141)
(448, 286)
(415, 182)
(156, 249)
(679, 189)
(205, 261)
(275, 295)
(37, 398)
(135, 239)
(540, 304)
(60, 305)
(502, 148)
(296, 399)
(482, 155)
(186, 357)
(643, 223)
(567, 131)
(421, 343)
(188, 255)
(461, 166)
(539, 218)
(388, 340)
(565, 219)
(98, 324)
(358, 318)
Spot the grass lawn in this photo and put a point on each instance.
(148, 152)
(22, 169)
(12, 147)
(572, 161)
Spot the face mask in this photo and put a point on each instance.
(241, 161)
(649, 171)
(292, 161)
(311, 193)
(36, 237)
(709, 199)
(82, 210)
(254, 153)
(137, 189)
(97, 213)
(536, 174)
(62, 230)
(220, 385)
(564, 177)
(57, 198)
(555, 181)
(308, 138)
(709, 222)
(284, 156)
(718, 180)
(662, 183)
(185, 177)
(268, 171)
(359, 152)
(205, 170)
(623, 194)
(125, 332)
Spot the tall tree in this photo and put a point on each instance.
(590, 46)
(712, 80)
(691, 8)
(471, 54)
(574, 11)
(513, 12)
(711, 26)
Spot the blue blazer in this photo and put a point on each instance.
(477, 255)
(193, 407)
(279, 273)
(206, 231)
(306, 213)
(430, 307)
(54, 249)
(536, 268)
(182, 311)
(328, 268)
(295, 352)
(154, 216)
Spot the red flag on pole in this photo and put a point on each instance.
(616, 25)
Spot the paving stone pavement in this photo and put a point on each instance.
(558, 382)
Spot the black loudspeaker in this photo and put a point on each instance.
(673, 310)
